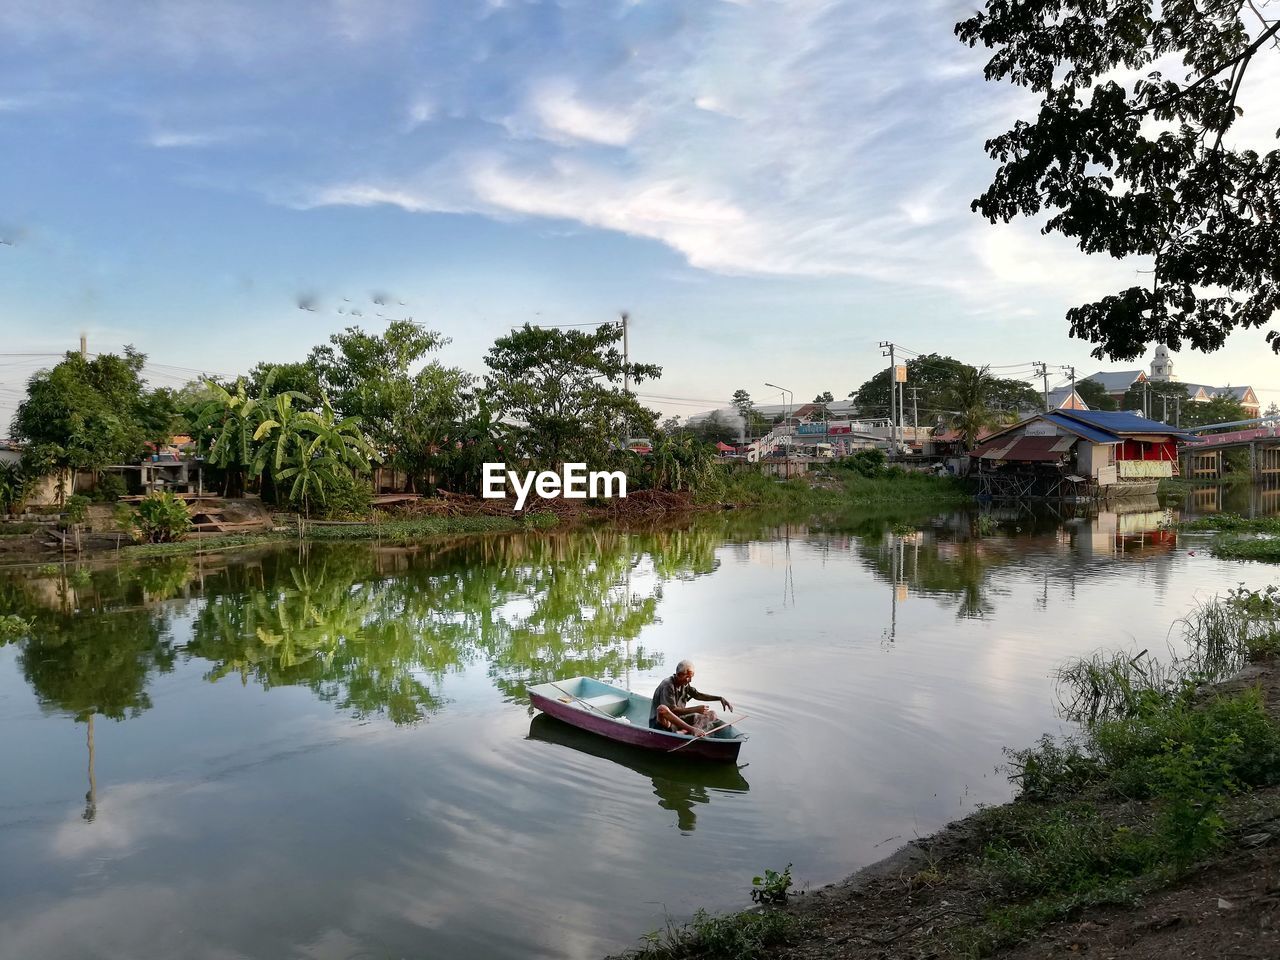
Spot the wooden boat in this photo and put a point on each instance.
(623, 716)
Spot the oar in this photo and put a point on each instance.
(583, 702)
(727, 723)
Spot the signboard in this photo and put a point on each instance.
(1040, 428)
(821, 429)
(1144, 469)
(900, 373)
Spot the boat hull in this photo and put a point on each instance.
(722, 746)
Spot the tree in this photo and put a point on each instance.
(969, 399)
(85, 414)
(713, 428)
(936, 376)
(1219, 409)
(1095, 395)
(753, 423)
(414, 418)
(1147, 396)
(286, 377)
(1141, 168)
(1272, 410)
(822, 400)
(564, 386)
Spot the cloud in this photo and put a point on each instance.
(564, 115)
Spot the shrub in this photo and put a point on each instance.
(346, 497)
(865, 463)
(110, 488)
(1052, 770)
(12, 486)
(162, 518)
(76, 510)
(773, 887)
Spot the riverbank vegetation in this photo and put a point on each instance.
(1240, 538)
(1170, 785)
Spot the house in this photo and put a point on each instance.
(1065, 454)
(1066, 398)
(1117, 384)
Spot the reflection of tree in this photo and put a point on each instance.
(319, 626)
(935, 562)
(372, 630)
(537, 607)
(92, 645)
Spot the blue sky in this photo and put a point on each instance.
(770, 187)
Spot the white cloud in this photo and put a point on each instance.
(562, 113)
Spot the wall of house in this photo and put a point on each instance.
(1140, 450)
(1092, 457)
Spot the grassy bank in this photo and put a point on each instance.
(389, 531)
(1169, 786)
(1241, 538)
(835, 487)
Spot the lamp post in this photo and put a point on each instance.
(787, 399)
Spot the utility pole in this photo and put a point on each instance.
(893, 394)
(1177, 411)
(915, 411)
(1073, 383)
(1042, 371)
(1164, 399)
(626, 376)
(84, 346)
(626, 355)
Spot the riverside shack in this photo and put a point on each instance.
(1077, 454)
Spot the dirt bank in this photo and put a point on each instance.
(920, 901)
(932, 900)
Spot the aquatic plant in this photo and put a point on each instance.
(773, 887)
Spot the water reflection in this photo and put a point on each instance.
(681, 785)
(239, 768)
(375, 631)
(1245, 499)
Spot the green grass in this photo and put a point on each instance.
(391, 531)
(20, 529)
(1233, 523)
(1227, 547)
(835, 487)
(735, 936)
(1142, 793)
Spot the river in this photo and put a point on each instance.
(329, 753)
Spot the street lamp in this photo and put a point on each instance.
(787, 399)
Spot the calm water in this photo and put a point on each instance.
(331, 755)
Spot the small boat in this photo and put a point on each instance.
(623, 716)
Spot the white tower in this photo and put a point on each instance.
(1162, 366)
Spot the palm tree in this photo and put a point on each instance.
(968, 398)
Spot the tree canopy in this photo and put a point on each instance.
(1143, 166)
(936, 376)
(565, 387)
(1095, 395)
(84, 414)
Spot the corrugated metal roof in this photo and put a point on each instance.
(1117, 421)
(1025, 448)
(1117, 381)
(1089, 433)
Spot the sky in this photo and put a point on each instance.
(769, 187)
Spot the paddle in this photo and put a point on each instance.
(727, 723)
(583, 702)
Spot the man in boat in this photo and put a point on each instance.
(671, 710)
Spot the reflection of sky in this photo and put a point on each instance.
(237, 822)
